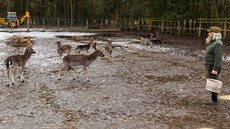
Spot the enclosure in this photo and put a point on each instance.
(142, 88)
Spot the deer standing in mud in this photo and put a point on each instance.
(85, 47)
(61, 49)
(14, 62)
(108, 51)
(76, 60)
(157, 42)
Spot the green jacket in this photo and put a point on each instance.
(214, 53)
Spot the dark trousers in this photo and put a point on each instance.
(209, 68)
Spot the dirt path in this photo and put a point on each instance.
(139, 89)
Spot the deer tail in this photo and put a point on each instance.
(8, 64)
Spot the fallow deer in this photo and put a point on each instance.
(108, 51)
(79, 60)
(85, 47)
(61, 49)
(157, 41)
(17, 61)
(145, 41)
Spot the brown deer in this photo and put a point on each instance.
(63, 48)
(145, 41)
(108, 51)
(17, 61)
(157, 42)
(85, 47)
(77, 60)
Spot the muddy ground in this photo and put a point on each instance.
(142, 88)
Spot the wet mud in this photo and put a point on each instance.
(142, 88)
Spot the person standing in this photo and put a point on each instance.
(213, 58)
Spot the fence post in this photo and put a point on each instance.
(138, 25)
(199, 29)
(225, 29)
(162, 26)
(178, 27)
(190, 26)
(87, 23)
(58, 22)
(194, 25)
(184, 25)
(101, 24)
(43, 22)
(149, 25)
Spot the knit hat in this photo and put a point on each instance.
(214, 29)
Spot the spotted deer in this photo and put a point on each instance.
(14, 62)
(61, 49)
(70, 61)
(85, 47)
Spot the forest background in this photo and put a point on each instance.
(119, 9)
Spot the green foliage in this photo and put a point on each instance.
(119, 9)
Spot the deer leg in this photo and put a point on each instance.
(11, 75)
(22, 76)
(8, 77)
(85, 73)
(82, 73)
(106, 54)
(110, 58)
(62, 68)
(70, 73)
(86, 76)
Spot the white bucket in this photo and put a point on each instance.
(213, 85)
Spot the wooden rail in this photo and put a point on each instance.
(184, 26)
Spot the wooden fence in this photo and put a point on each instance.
(176, 26)
(179, 27)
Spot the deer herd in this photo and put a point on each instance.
(16, 63)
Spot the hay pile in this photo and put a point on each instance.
(20, 41)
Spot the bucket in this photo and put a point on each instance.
(213, 85)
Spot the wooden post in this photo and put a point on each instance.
(162, 26)
(225, 29)
(87, 24)
(194, 25)
(190, 26)
(178, 27)
(199, 29)
(149, 24)
(138, 25)
(43, 22)
(58, 22)
(184, 26)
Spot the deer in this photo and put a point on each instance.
(108, 51)
(14, 62)
(70, 61)
(145, 41)
(63, 48)
(84, 47)
(157, 41)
